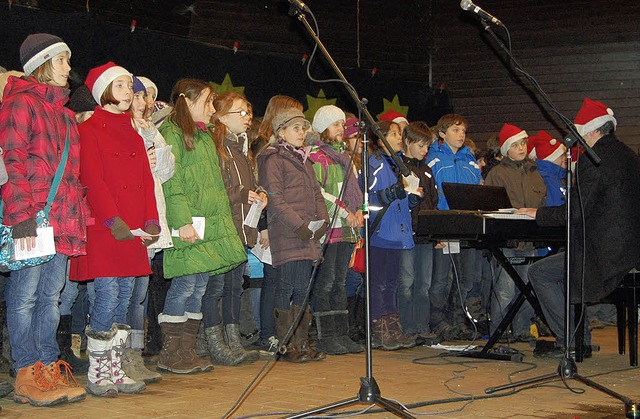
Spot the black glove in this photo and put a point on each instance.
(26, 228)
(152, 229)
(120, 230)
(320, 232)
(393, 192)
(304, 233)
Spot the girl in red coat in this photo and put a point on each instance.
(115, 169)
(33, 133)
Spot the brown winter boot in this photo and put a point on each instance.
(302, 335)
(291, 351)
(34, 386)
(188, 343)
(406, 341)
(381, 335)
(171, 358)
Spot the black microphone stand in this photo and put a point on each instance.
(567, 367)
(369, 392)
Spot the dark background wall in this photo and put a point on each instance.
(574, 48)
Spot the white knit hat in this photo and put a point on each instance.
(326, 116)
(99, 78)
(147, 84)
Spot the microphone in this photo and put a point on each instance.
(469, 6)
(300, 5)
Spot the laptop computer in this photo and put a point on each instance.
(462, 196)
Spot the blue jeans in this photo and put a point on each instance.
(32, 296)
(504, 292)
(137, 303)
(267, 302)
(292, 283)
(384, 267)
(223, 293)
(68, 296)
(414, 281)
(547, 278)
(185, 294)
(329, 292)
(112, 295)
(445, 298)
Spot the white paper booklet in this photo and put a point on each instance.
(263, 255)
(253, 216)
(198, 224)
(45, 245)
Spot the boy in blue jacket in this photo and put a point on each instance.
(451, 161)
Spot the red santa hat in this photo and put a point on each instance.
(393, 116)
(592, 115)
(99, 78)
(546, 147)
(508, 135)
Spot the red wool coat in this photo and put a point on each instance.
(115, 169)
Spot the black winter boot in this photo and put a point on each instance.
(63, 337)
(341, 320)
(327, 336)
(158, 287)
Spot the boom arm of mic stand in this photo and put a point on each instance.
(573, 132)
(365, 112)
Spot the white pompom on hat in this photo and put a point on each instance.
(592, 115)
(546, 147)
(326, 116)
(100, 77)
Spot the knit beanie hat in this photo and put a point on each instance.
(546, 147)
(393, 116)
(81, 100)
(99, 78)
(351, 126)
(326, 116)
(147, 84)
(592, 115)
(508, 135)
(138, 86)
(38, 48)
(288, 117)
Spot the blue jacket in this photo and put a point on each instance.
(460, 167)
(394, 231)
(553, 176)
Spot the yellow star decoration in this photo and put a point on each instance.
(395, 105)
(317, 102)
(226, 86)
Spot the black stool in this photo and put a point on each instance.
(625, 298)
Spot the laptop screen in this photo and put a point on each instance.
(462, 196)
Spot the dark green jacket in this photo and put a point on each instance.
(196, 190)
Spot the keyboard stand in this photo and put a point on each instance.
(526, 293)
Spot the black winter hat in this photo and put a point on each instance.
(38, 48)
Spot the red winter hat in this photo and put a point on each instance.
(508, 135)
(351, 126)
(546, 147)
(393, 116)
(592, 115)
(99, 78)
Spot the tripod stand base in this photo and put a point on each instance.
(632, 410)
(369, 393)
(567, 369)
